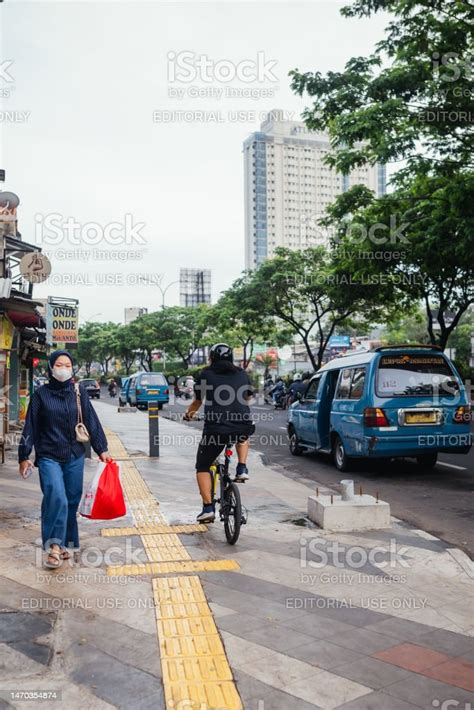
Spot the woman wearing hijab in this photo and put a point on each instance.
(50, 427)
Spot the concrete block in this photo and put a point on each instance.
(360, 513)
(126, 409)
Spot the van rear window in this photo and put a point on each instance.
(415, 375)
(153, 380)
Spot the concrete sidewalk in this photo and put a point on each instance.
(307, 618)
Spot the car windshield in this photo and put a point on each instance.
(153, 380)
(415, 375)
(89, 382)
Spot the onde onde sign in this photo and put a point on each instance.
(62, 323)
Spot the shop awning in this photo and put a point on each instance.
(22, 312)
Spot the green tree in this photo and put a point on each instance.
(240, 321)
(107, 344)
(87, 347)
(302, 289)
(143, 336)
(180, 331)
(409, 103)
(126, 347)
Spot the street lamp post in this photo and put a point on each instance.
(163, 294)
(163, 291)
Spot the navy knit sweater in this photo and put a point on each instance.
(50, 423)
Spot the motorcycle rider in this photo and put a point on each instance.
(277, 391)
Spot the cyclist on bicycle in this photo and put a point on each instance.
(226, 389)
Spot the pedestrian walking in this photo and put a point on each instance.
(59, 421)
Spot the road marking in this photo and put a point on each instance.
(452, 465)
(283, 427)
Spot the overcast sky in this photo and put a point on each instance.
(79, 139)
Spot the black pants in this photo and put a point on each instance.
(211, 445)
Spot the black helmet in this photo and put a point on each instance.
(221, 351)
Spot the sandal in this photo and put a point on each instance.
(56, 556)
(64, 554)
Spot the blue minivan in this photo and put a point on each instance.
(143, 387)
(394, 401)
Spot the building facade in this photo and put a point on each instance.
(194, 286)
(288, 187)
(131, 314)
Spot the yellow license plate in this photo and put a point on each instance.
(426, 418)
(152, 391)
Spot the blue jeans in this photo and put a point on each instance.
(61, 484)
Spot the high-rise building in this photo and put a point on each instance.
(131, 314)
(288, 187)
(194, 286)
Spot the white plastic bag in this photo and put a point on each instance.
(88, 496)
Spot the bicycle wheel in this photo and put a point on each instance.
(232, 513)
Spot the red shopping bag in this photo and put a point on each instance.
(104, 499)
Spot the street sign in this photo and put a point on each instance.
(35, 267)
(62, 323)
(339, 341)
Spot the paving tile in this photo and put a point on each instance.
(117, 683)
(363, 641)
(448, 642)
(456, 671)
(38, 652)
(318, 626)
(23, 626)
(356, 616)
(324, 654)
(14, 664)
(326, 689)
(411, 657)
(124, 643)
(371, 672)
(378, 701)
(401, 628)
(428, 693)
(266, 634)
(257, 695)
(277, 669)
(240, 624)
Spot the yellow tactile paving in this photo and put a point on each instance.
(170, 567)
(195, 668)
(194, 665)
(210, 645)
(196, 673)
(196, 696)
(188, 626)
(155, 530)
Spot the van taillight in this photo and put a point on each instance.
(167, 391)
(462, 415)
(373, 416)
(139, 390)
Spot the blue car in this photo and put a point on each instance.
(144, 387)
(394, 401)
